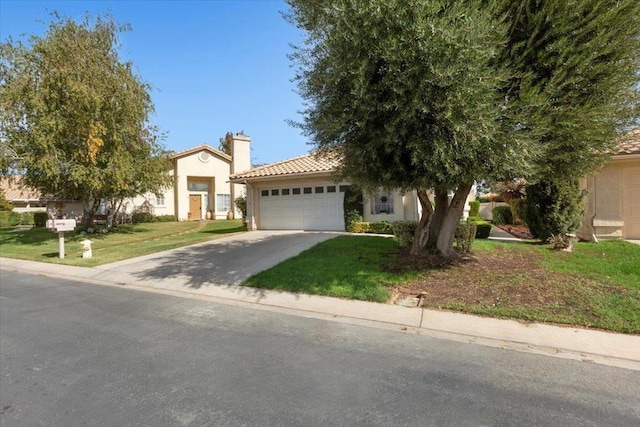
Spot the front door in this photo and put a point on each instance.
(195, 206)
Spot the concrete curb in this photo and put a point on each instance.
(600, 347)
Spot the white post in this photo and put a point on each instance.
(61, 244)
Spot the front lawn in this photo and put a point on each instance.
(597, 286)
(125, 241)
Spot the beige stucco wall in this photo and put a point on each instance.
(608, 192)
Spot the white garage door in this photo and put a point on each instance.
(632, 203)
(309, 207)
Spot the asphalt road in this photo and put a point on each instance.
(77, 354)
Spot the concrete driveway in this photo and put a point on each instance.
(225, 261)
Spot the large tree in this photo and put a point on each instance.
(404, 92)
(74, 117)
(575, 83)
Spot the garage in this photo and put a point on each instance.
(631, 200)
(311, 206)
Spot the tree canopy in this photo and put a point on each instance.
(74, 117)
(405, 92)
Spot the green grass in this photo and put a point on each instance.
(346, 266)
(124, 242)
(598, 285)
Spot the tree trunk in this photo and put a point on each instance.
(424, 225)
(441, 200)
(455, 210)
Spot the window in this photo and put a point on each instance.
(343, 188)
(331, 188)
(382, 203)
(198, 186)
(223, 202)
(275, 192)
(159, 199)
(319, 190)
(264, 193)
(307, 190)
(285, 191)
(296, 191)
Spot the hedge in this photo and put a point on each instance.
(12, 219)
(40, 219)
(483, 227)
(465, 234)
(404, 232)
(371, 227)
(502, 215)
(474, 208)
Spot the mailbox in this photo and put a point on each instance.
(61, 224)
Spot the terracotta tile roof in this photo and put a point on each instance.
(630, 143)
(302, 165)
(14, 191)
(198, 148)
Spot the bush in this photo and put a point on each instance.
(465, 234)
(502, 215)
(12, 218)
(487, 199)
(353, 207)
(483, 227)
(27, 218)
(404, 232)
(554, 208)
(475, 208)
(371, 227)
(40, 219)
(141, 217)
(241, 204)
(165, 218)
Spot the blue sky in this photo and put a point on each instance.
(215, 66)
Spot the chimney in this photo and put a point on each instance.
(240, 153)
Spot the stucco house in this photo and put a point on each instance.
(301, 194)
(201, 188)
(613, 195)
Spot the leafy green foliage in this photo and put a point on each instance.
(502, 215)
(483, 227)
(404, 92)
(574, 85)
(371, 227)
(40, 219)
(474, 208)
(5, 205)
(241, 204)
(75, 117)
(225, 143)
(404, 231)
(465, 235)
(142, 217)
(554, 208)
(12, 219)
(353, 207)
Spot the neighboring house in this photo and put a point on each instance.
(201, 188)
(613, 199)
(22, 199)
(301, 194)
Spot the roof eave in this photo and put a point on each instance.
(315, 174)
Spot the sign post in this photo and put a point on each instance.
(60, 226)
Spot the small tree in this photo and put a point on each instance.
(5, 205)
(225, 143)
(554, 209)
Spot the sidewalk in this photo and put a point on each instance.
(567, 342)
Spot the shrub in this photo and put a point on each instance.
(165, 218)
(371, 227)
(465, 234)
(483, 227)
(353, 207)
(241, 204)
(404, 232)
(26, 218)
(40, 219)
(502, 215)
(141, 217)
(475, 208)
(554, 208)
